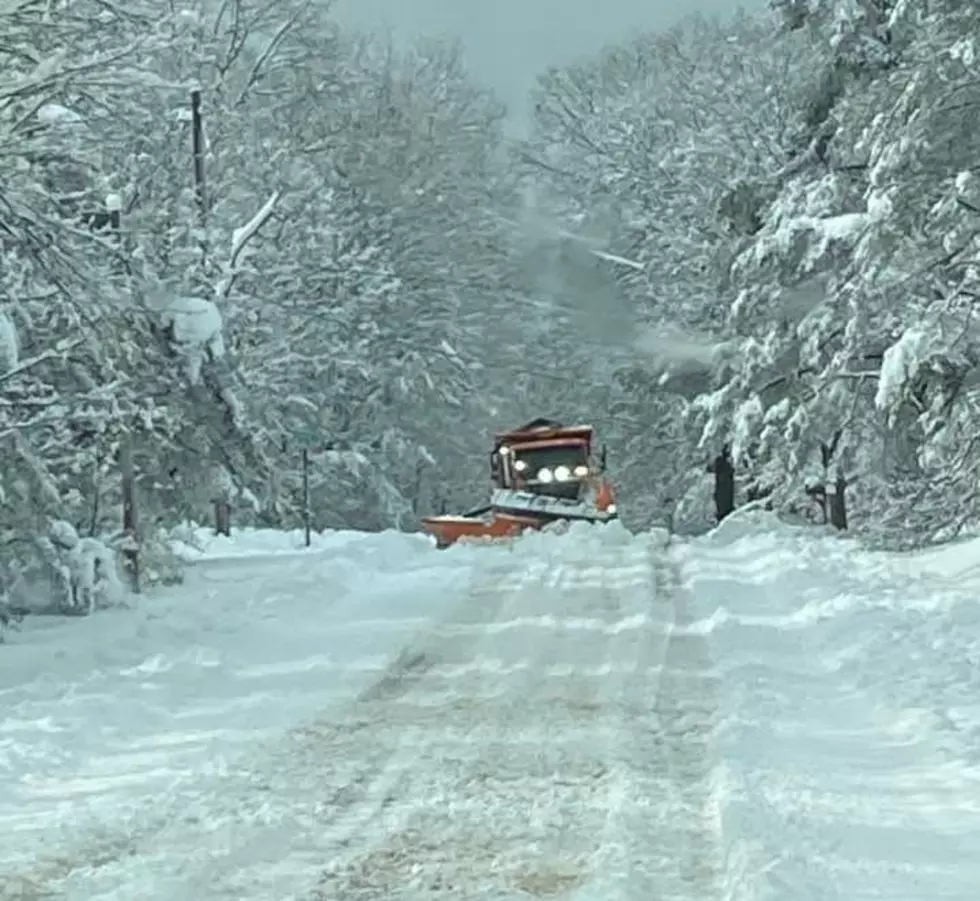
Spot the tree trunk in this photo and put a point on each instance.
(838, 504)
(197, 147)
(200, 183)
(222, 518)
(130, 513)
(724, 474)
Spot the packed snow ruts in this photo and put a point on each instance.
(588, 768)
(552, 734)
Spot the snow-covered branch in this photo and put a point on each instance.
(239, 242)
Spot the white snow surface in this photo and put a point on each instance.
(197, 332)
(763, 713)
(9, 344)
(55, 113)
(901, 362)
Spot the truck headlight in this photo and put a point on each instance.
(562, 473)
(545, 475)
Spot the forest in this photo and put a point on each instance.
(253, 262)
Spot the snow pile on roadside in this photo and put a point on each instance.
(193, 543)
(849, 724)
(949, 561)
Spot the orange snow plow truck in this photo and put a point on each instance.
(541, 473)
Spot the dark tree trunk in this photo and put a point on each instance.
(724, 474)
(306, 497)
(130, 512)
(222, 518)
(838, 504)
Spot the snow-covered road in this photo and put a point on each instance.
(756, 715)
(543, 741)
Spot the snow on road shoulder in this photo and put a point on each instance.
(101, 712)
(851, 727)
(196, 543)
(956, 560)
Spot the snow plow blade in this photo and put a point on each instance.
(447, 530)
(492, 523)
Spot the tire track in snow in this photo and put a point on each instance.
(599, 777)
(689, 713)
(525, 766)
(374, 739)
(549, 739)
(663, 838)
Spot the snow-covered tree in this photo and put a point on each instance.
(389, 254)
(59, 378)
(854, 314)
(327, 284)
(661, 156)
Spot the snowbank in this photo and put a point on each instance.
(553, 541)
(195, 543)
(949, 561)
(847, 680)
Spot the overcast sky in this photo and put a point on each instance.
(509, 41)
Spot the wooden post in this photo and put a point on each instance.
(417, 486)
(832, 502)
(306, 495)
(197, 140)
(200, 184)
(131, 551)
(120, 264)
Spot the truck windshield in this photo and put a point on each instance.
(539, 465)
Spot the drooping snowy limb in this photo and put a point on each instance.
(48, 78)
(557, 231)
(54, 417)
(9, 343)
(618, 260)
(239, 241)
